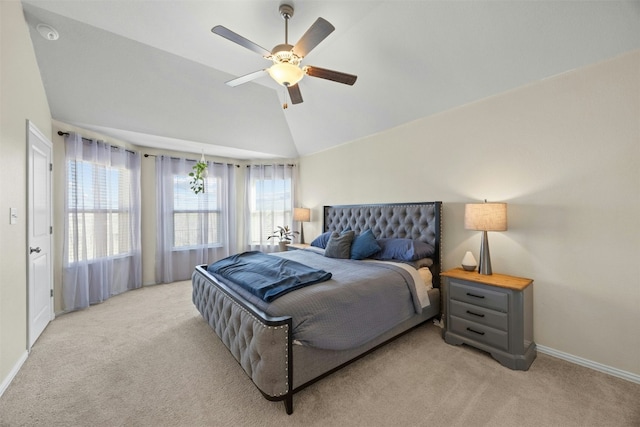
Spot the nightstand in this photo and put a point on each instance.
(295, 246)
(493, 313)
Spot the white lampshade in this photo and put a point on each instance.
(485, 216)
(301, 214)
(286, 74)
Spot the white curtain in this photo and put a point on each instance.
(269, 201)
(101, 251)
(193, 229)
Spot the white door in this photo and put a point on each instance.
(39, 232)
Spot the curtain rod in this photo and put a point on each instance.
(273, 164)
(193, 160)
(91, 140)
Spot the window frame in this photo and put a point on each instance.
(122, 208)
(285, 214)
(210, 181)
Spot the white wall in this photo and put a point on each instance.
(22, 97)
(564, 153)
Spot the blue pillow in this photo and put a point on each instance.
(321, 240)
(403, 250)
(364, 245)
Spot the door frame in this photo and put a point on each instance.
(33, 131)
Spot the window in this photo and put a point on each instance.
(101, 253)
(270, 207)
(196, 217)
(269, 201)
(192, 229)
(98, 211)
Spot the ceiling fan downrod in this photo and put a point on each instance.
(286, 11)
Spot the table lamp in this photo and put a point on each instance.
(485, 217)
(301, 215)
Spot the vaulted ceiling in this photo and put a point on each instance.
(152, 73)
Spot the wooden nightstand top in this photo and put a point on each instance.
(500, 280)
(291, 246)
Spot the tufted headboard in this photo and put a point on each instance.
(418, 221)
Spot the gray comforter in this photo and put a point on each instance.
(361, 301)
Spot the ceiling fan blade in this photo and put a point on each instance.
(318, 31)
(237, 38)
(294, 94)
(246, 78)
(336, 76)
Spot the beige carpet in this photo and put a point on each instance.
(147, 358)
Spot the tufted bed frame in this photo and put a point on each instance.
(264, 346)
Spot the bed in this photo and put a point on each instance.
(279, 350)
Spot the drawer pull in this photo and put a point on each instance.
(475, 332)
(475, 314)
(475, 296)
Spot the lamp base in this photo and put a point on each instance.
(301, 233)
(484, 266)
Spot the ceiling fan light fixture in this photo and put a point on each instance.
(286, 74)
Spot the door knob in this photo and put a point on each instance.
(36, 250)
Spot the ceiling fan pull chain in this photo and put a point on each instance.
(285, 105)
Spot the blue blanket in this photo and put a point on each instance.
(266, 276)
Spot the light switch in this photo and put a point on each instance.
(13, 215)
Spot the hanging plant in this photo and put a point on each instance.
(197, 176)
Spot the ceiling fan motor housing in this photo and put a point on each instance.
(284, 53)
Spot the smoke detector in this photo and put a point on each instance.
(48, 32)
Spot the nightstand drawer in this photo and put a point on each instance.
(482, 297)
(480, 333)
(484, 316)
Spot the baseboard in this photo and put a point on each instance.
(12, 374)
(629, 376)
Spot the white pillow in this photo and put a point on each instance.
(427, 278)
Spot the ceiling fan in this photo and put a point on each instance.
(286, 69)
